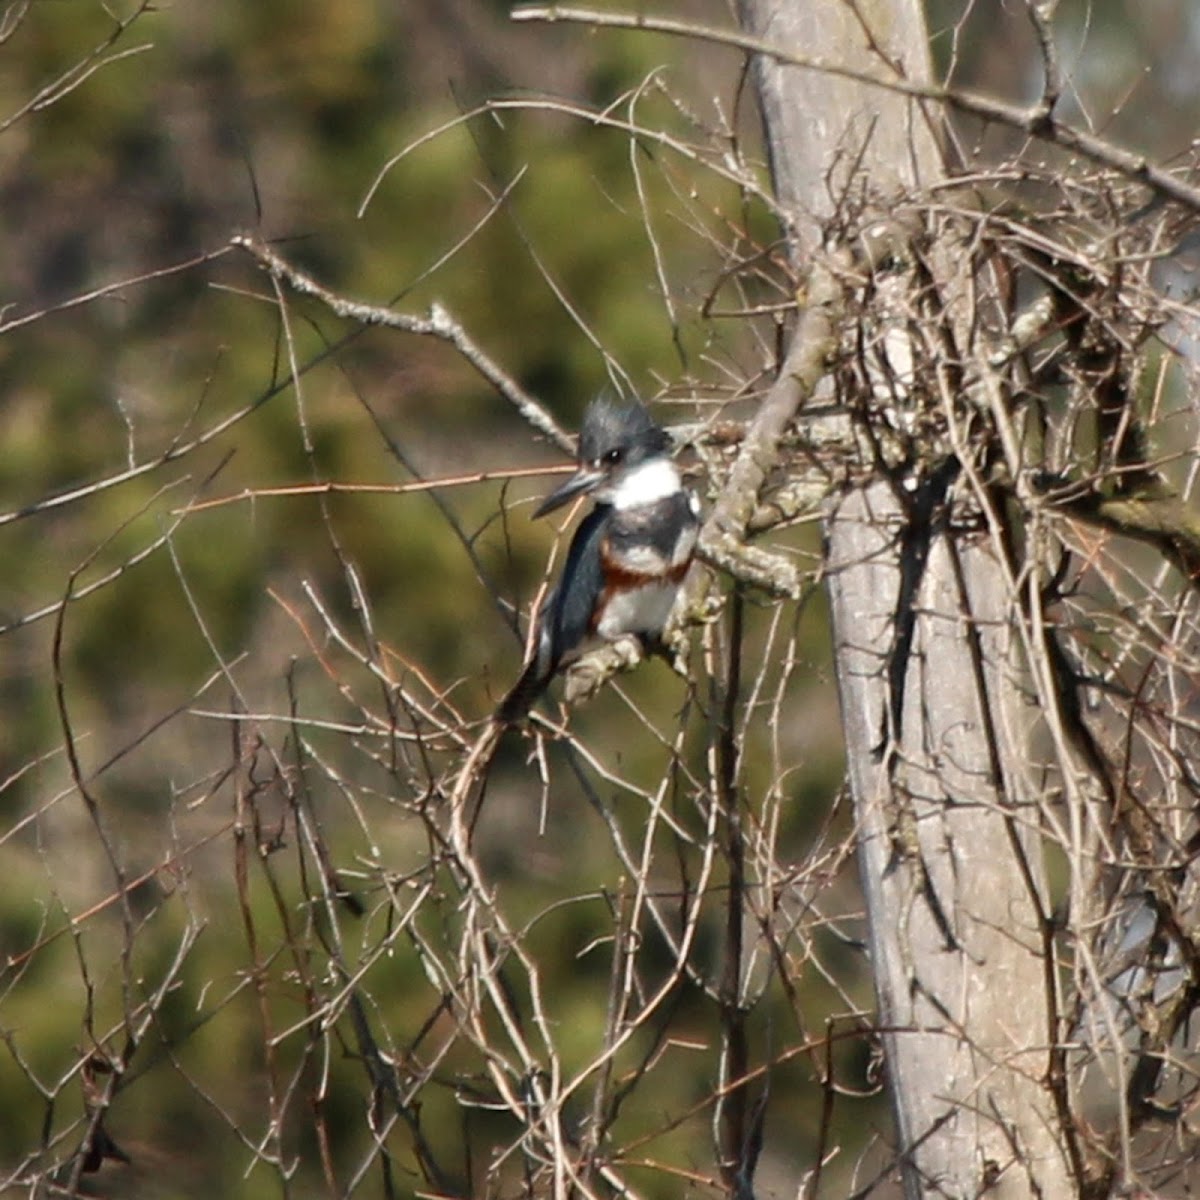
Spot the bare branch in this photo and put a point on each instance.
(438, 324)
(1137, 168)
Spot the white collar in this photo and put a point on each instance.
(646, 483)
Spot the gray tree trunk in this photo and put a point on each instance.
(951, 872)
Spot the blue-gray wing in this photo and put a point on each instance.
(565, 618)
(570, 608)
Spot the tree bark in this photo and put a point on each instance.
(959, 928)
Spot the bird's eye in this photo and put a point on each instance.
(613, 456)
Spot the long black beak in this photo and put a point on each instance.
(583, 481)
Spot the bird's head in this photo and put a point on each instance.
(622, 459)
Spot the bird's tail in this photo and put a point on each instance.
(514, 708)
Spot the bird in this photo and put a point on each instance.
(629, 555)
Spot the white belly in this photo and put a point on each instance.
(641, 610)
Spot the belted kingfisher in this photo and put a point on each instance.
(628, 557)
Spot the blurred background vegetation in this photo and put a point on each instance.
(126, 164)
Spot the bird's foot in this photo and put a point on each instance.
(585, 677)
